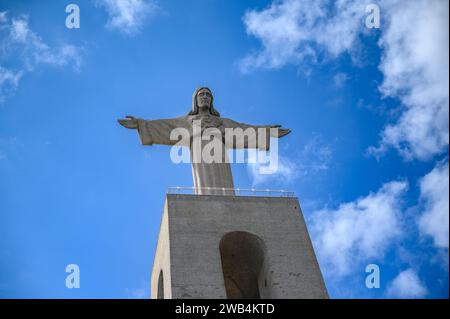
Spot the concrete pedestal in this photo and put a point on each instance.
(213, 246)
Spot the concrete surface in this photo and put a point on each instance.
(201, 234)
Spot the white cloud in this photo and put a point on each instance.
(406, 285)
(128, 16)
(415, 55)
(292, 30)
(434, 192)
(415, 68)
(358, 231)
(25, 50)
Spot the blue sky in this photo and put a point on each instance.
(367, 156)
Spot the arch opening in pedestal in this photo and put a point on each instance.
(160, 294)
(243, 265)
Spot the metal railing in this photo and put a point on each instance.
(229, 191)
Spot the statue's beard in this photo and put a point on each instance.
(204, 107)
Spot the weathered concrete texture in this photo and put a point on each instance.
(188, 250)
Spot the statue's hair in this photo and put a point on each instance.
(194, 110)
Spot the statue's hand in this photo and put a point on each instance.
(283, 131)
(280, 132)
(129, 122)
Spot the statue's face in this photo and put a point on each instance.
(204, 99)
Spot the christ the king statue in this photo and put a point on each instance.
(209, 177)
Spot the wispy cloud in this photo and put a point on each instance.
(137, 293)
(285, 173)
(25, 50)
(351, 234)
(315, 157)
(128, 16)
(9, 81)
(407, 284)
(312, 159)
(339, 80)
(434, 193)
(142, 292)
(19, 40)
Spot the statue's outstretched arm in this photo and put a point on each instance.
(154, 131)
(280, 132)
(263, 142)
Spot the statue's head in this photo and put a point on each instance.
(203, 98)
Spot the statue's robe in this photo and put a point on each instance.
(209, 178)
